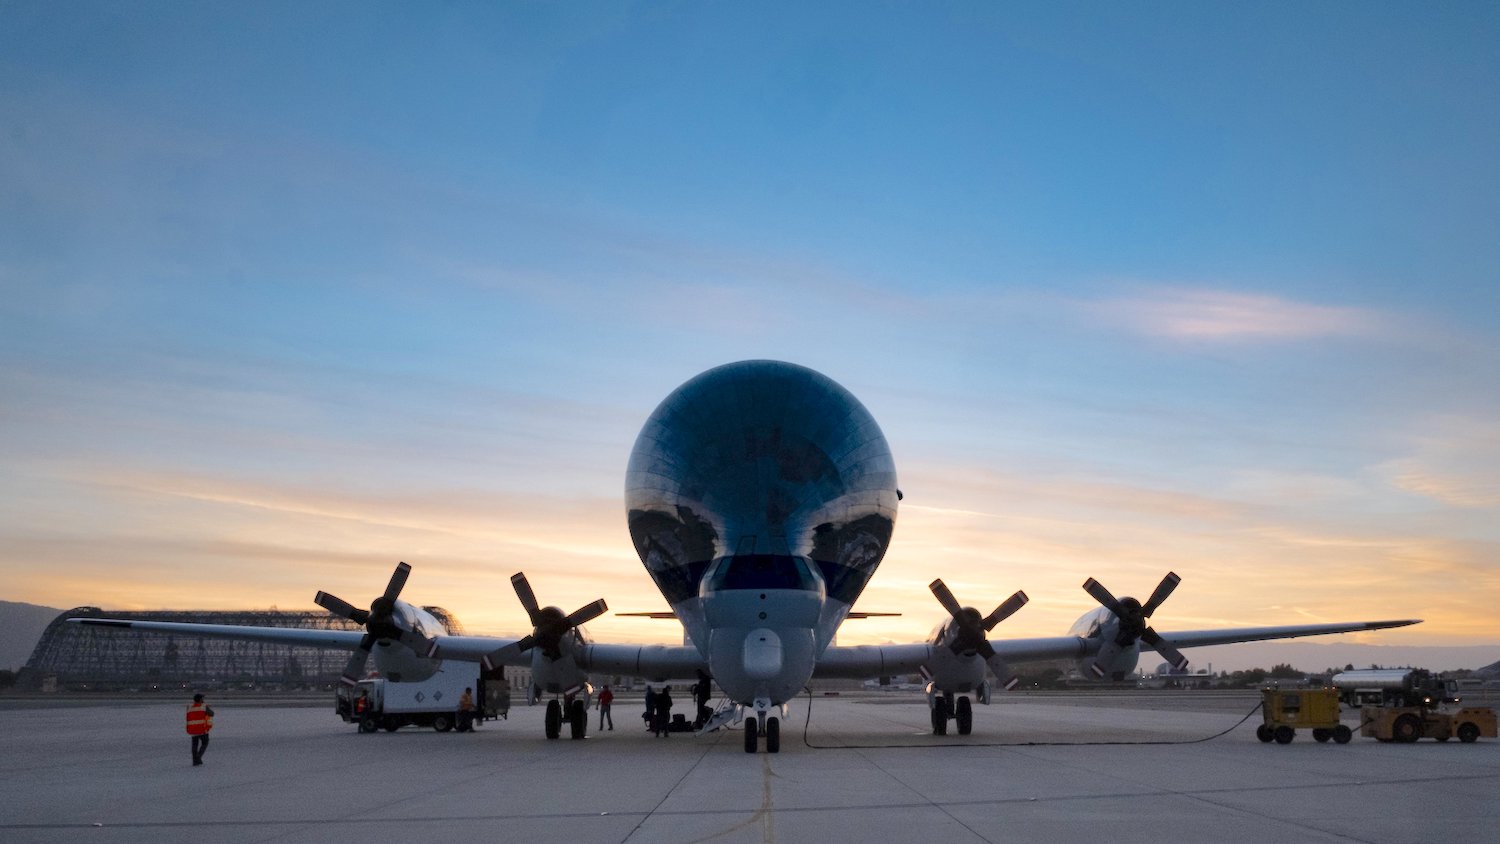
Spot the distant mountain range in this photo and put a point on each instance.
(23, 625)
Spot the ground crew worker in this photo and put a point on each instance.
(702, 691)
(663, 722)
(466, 711)
(361, 705)
(606, 698)
(200, 719)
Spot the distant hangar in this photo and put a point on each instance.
(87, 657)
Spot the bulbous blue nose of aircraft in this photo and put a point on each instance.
(761, 459)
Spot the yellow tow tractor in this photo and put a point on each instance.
(1408, 723)
(1287, 710)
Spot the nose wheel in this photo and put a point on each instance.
(762, 723)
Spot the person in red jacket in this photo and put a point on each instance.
(200, 719)
(606, 698)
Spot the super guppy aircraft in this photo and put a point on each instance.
(761, 497)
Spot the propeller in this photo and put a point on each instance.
(1133, 627)
(548, 624)
(969, 629)
(379, 622)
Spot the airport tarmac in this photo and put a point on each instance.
(1039, 767)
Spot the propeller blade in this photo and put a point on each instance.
(1096, 589)
(526, 643)
(528, 597)
(587, 613)
(340, 607)
(398, 581)
(1005, 610)
(354, 670)
(502, 655)
(945, 597)
(1166, 649)
(1163, 590)
(1007, 678)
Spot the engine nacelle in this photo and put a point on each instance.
(951, 672)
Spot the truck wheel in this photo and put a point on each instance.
(1284, 734)
(752, 730)
(1321, 735)
(442, 723)
(391, 723)
(1407, 729)
(940, 717)
(1263, 732)
(367, 724)
(553, 721)
(964, 716)
(1468, 732)
(578, 719)
(1342, 734)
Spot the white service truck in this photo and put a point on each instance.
(377, 702)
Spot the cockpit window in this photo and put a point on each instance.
(762, 571)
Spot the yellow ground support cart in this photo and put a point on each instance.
(1287, 710)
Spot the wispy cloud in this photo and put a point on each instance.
(1456, 461)
(1186, 313)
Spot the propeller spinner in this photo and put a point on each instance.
(970, 629)
(379, 622)
(1133, 627)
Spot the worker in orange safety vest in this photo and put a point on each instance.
(200, 719)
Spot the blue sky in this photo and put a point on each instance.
(292, 293)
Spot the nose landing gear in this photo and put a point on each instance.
(763, 723)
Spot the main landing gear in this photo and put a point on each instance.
(945, 708)
(578, 719)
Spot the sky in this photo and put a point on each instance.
(291, 292)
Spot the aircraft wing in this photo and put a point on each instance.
(1201, 638)
(498, 651)
(652, 662)
(345, 639)
(864, 661)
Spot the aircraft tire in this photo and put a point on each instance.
(578, 720)
(553, 721)
(940, 717)
(773, 735)
(752, 730)
(1342, 734)
(1284, 734)
(965, 716)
